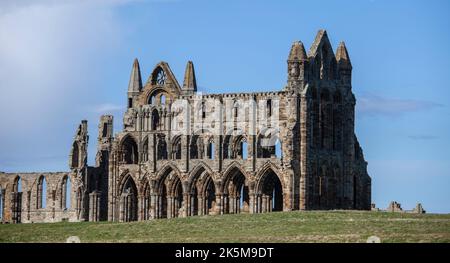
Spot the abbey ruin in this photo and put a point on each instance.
(182, 153)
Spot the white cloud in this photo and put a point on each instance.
(108, 108)
(373, 105)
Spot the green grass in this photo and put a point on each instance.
(314, 226)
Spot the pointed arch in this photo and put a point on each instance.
(65, 192)
(202, 191)
(129, 150)
(128, 200)
(75, 160)
(176, 148)
(267, 143)
(155, 120)
(17, 185)
(41, 193)
(235, 190)
(163, 72)
(161, 147)
(269, 189)
(169, 192)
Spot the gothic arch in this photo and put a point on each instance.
(269, 191)
(161, 147)
(41, 192)
(129, 150)
(128, 200)
(202, 191)
(75, 161)
(235, 190)
(155, 120)
(268, 139)
(199, 167)
(17, 185)
(169, 193)
(268, 166)
(165, 170)
(176, 147)
(64, 190)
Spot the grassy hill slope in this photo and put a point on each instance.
(313, 226)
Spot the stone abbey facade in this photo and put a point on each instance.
(182, 153)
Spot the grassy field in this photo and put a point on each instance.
(314, 226)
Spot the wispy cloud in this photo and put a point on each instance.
(373, 105)
(423, 137)
(107, 108)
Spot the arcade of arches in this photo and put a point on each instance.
(169, 195)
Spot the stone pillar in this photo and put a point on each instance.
(169, 207)
(201, 206)
(305, 140)
(187, 205)
(219, 207)
(153, 209)
(94, 206)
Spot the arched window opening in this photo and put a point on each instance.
(177, 198)
(236, 109)
(129, 201)
(155, 120)
(161, 148)
(163, 99)
(18, 185)
(65, 192)
(244, 148)
(75, 155)
(197, 147)
(271, 193)
(130, 102)
(176, 149)
(267, 146)
(105, 130)
(41, 193)
(278, 152)
(129, 151)
(159, 77)
(151, 101)
(269, 108)
(203, 110)
(237, 200)
(210, 150)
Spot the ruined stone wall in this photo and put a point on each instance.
(183, 153)
(27, 209)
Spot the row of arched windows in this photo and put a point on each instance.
(41, 192)
(199, 148)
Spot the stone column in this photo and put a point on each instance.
(201, 206)
(94, 206)
(304, 152)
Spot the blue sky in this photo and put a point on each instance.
(63, 61)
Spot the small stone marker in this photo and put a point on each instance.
(373, 239)
(73, 239)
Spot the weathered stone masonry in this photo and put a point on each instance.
(220, 162)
